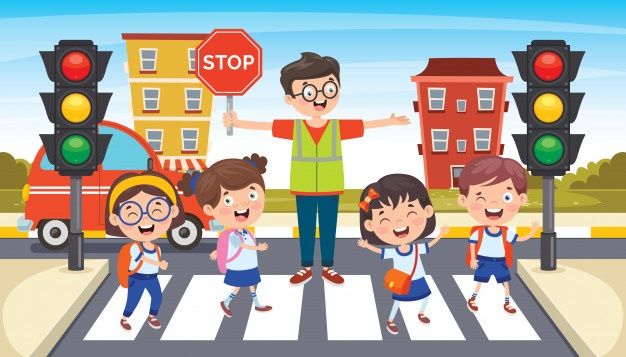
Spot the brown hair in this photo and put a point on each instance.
(310, 65)
(494, 168)
(231, 174)
(129, 193)
(394, 188)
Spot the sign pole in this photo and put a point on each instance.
(548, 236)
(75, 253)
(229, 108)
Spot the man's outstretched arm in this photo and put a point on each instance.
(381, 123)
(230, 119)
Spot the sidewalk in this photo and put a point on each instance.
(40, 299)
(586, 299)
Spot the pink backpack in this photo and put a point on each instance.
(222, 248)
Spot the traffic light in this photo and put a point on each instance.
(548, 107)
(75, 108)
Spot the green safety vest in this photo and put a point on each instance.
(316, 168)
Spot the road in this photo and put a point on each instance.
(323, 328)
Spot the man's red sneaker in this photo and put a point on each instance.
(332, 276)
(301, 277)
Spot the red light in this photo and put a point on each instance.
(76, 66)
(548, 66)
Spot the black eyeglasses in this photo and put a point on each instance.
(309, 91)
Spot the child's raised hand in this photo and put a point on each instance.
(163, 264)
(362, 243)
(213, 255)
(263, 246)
(534, 225)
(444, 230)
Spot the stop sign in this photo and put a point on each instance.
(228, 62)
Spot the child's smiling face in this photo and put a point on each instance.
(238, 208)
(493, 204)
(400, 225)
(325, 99)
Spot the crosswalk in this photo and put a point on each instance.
(352, 313)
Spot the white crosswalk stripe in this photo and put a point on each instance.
(351, 312)
(282, 323)
(495, 322)
(442, 325)
(198, 315)
(107, 326)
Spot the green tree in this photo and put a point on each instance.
(14, 174)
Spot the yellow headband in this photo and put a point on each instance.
(149, 180)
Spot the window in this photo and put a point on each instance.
(151, 99)
(193, 99)
(461, 105)
(440, 140)
(191, 58)
(485, 98)
(154, 137)
(190, 139)
(436, 98)
(482, 139)
(456, 171)
(461, 145)
(148, 58)
(124, 152)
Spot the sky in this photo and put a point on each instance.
(378, 48)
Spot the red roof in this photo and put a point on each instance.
(461, 67)
(164, 36)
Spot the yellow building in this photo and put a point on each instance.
(171, 107)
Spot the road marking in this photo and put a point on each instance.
(198, 315)
(442, 325)
(282, 323)
(351, 312)
(107, 326)
(273, 232)
(495, 322)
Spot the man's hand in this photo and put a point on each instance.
(473, 263)
(262, 246)
(400, 120)
(363, 243)
(230, 119)
(213, 255)
(163, 264)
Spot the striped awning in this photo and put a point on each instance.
(182, 163)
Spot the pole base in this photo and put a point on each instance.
(75, 254)
(548, 251)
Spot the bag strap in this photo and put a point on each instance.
(239, 250)
(140, 261)
(415, 262)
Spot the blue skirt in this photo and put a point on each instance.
(242, 278)
(419, 290)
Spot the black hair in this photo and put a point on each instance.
(394, 189)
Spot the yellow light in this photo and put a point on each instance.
(76, 108)
(548, 107)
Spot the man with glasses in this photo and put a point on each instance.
(312, 87)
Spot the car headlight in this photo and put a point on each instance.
(25, 192)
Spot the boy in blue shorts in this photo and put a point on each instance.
(493, 189)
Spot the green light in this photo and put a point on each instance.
(75, 150)
(548, 149)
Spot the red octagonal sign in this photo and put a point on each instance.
(228, 62)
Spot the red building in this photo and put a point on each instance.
(461, 104)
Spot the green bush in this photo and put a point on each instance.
(14, 173)
(605, 174)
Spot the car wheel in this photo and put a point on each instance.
(187, 235)
(53, 233)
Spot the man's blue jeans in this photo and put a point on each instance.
(326, 207)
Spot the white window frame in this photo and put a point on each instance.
(476, 140)
(492, 99)
(433, 140)
(182, 139)
(464, 141)
(153, 140)
(158, 98)
(141, 59)
(191, 60)
(199, 100)
(458, 101)
(430, 99)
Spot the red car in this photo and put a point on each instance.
(47, 194)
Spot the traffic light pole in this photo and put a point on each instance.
(75, 253)
(548, 236)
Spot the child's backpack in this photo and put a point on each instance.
(508, 247)
(222, 248)
(123, 262)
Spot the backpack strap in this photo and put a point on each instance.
(481, 233)
(158, 252)
(138, 257)
(239, 250)
(415, 261)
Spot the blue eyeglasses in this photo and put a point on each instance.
(158, 209)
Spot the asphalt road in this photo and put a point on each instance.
(445, 260)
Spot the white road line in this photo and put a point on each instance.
(198, 315)
(274, 232)
(107, 326)
(573, 232)
(442, 325)
(495, 322)
(351, 312)
(348, 232)
(282, 323)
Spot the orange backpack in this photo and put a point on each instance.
(123, 262)
(508, 247)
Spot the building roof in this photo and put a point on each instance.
(461, 67)
(164, 36)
